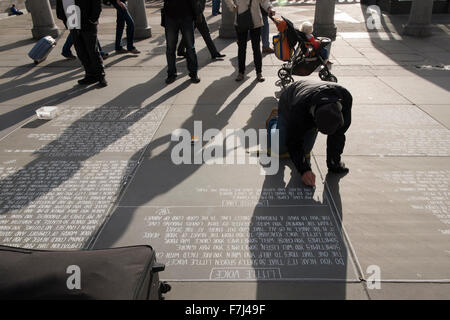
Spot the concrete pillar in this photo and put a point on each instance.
(142, 30)
(419, 23)
(227, 29)
(43, 22)
(324, 19)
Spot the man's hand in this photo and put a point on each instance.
(271, 12)
(121, 4)
(309, 179)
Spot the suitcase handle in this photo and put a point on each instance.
(158, 267)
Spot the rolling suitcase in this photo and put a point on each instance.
(129, 273)
(42, 49)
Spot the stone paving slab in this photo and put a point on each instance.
(440, 113)
(411, 291)
(392, 130)
(292, 290)
(395, 210)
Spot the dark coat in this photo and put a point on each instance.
(90, 13)
(295, 107)
(196, 7)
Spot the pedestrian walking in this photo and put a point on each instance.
(123, 16)
(253, 22)
(180, 16)
(202, 27)
(84, 34)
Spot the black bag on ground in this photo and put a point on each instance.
(244, 20)
(129, 273)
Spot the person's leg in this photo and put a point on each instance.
(81, 52)
(119, 28)
(66, 52)
(181, 51)
(277, 128)
(265, 33)
(95, 60)
(242, 49)
(187, 30)
(255, 35)
(130, 30)
(204, 31)
(171, 31)
(215, 7)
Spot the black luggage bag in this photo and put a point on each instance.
(129, 273)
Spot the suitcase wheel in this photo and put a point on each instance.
(164, 287)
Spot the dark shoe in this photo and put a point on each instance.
(240, 77)
(87, 80)
(102, 82)
(268, 50)
(259, 77)
(171, 79)
(194, 78)
(104, 55)
(218, 56)
(121, 51)
(338, 168)
(134, 51)
(69, 56)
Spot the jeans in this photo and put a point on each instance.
(173, 27)
(204, 31)
(85, 43)
(255, 37)
(69, 43)
(265, 32)
(122, 17)
(278, 128)
(215, 7)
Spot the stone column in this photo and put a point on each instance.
(227, 26)
(142, 30)
(43, 22)
(324, 19)
(419, 23)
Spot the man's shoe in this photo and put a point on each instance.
(194, 78)
(338, 168)
(218, 56)
(102, 82)
(104, 55)
(69, 56)
(87, 80)
(121, 51)
(240, 77)
(268, 50)
(171, 79)
(134, 51)
(259, 77)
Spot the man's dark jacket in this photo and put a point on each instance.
(295, 107)
(90, 13)
(181, 9)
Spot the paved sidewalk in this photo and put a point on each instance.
(101, 174)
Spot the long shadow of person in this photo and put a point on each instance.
(295, 243)
(158, 173)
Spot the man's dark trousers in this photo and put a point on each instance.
(173, 27)
(85, 42)
(204, 31)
